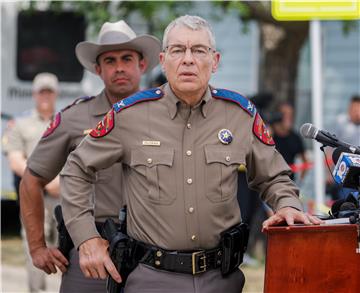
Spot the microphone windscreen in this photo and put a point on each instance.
(335, 208)
(337, 152)
(353, 199)
(308, 130)
(347, 206)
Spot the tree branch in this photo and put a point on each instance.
(261, 11)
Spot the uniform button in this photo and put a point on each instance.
(214, 91)
(189, 181)
(149, 160)
(188, 125)
(188, 153)
(191, 210)
(193, 237)
(157, 262)
(158, 92)
(158, 253)
(227, 158)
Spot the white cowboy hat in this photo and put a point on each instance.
(118, 36)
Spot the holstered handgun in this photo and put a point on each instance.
(119, 254)
(233, 243)
(65, 243)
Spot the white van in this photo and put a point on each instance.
(33, 42)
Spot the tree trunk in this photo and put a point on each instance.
(280, 56)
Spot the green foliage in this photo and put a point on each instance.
(350, 26)
(156, 14)
(239, 6)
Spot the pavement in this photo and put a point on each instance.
(14, 279)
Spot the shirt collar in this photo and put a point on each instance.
(35, 113)
(101, 105)
(173, 101)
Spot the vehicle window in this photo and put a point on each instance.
(46, 43)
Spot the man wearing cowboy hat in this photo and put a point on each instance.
(119, 58)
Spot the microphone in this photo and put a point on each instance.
(337, 153)
(308, 130)
(347, 170)
(347, 209)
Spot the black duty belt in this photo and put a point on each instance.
(177, 261)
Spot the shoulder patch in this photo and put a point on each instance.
(55, 122)
(261, 131)
(148, 95)
(105, 126)
(237, 98)
(78, 101)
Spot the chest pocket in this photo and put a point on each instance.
(156, 165)
(221, 169)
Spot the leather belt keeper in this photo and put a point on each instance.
(180, 262)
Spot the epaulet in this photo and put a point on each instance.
(147, 95)
(231, 96)
(77, 101)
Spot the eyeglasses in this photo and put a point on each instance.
(179, 51)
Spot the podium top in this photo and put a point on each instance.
(312, 228)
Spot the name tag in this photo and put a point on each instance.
(151, 142)
(87, 131)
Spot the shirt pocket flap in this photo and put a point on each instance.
(149, 158)
(223, 155)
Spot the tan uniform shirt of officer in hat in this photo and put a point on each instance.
(119, 59)
(181, 147)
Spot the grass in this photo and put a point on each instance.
(254, 279)
(12, 251)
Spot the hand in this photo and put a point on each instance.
(47, 259)
(290, 216)
(95, 261)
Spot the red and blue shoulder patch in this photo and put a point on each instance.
(78, 101)
(57, 119)
(107, 124)
(237, 98)
(261, 131)
(55, 122)
(143, 96)
(104, 126)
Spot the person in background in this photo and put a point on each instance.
(181, 146)
(346, 129)
(288, 141)
(347, 126)
(119, 58)
(10, 123)
(20, 141)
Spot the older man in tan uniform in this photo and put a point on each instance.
(18, 143)
(119, 58)
(181, 146)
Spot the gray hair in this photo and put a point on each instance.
(193, 22)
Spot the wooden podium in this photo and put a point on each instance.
(313, 259)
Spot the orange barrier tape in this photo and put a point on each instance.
(295, 168)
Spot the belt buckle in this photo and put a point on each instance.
(202, 257)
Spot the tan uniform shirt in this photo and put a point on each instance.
(180, 179)
(25, 134)
(51, 153)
